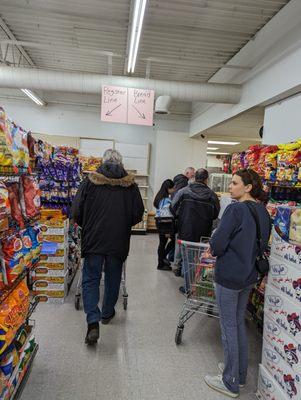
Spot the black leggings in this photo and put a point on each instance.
(165, 246)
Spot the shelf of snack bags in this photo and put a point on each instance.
(278, 165)
(281, 356)
(59, 174)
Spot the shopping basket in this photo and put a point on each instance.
(78, 292)
(198, 269)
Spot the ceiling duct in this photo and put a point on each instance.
(87, 83)
(162, 105)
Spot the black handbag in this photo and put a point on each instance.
(262, 262)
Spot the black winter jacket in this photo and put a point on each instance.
(108, 203)
(196, 207)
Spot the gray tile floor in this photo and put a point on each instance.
(137, 358)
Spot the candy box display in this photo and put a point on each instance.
(55, 227)
(295, 226)
(41, 272)
(286, 251)
(285, 312)
(268, 388)
(50, 283)
(285, 278)
(289, 380)
(284, 345)
(50, 296)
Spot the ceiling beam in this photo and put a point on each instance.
(11, 36)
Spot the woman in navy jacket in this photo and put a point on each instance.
(234, 243)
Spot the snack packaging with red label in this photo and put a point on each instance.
(30, 197)
(13, 311)
(14, 199)
(12, 248)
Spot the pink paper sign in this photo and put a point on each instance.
(140, 106)
(114, 104)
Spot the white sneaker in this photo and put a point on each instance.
(221, 367)
(216, 383)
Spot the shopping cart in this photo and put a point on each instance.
(198, 268)
(78, 292)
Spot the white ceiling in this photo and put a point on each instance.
(186, 40)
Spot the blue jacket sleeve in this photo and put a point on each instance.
(222, 236)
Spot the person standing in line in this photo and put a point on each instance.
(195, 207)
(166, 236)
(235, 245)
(107, 204)
(182, 180)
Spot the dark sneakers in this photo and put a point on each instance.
(92, 334)
(164, 267)
(106, 321)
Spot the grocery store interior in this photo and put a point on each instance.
(212, 85)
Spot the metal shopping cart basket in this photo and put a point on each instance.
(198, 268)
(78, 293)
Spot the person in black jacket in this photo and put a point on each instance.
(195, 206)
(108, 203)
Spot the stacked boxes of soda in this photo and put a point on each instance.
(280, 369)
(50, 277)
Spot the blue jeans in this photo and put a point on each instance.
(92, 272)
(232, 306)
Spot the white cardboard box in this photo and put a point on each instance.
(45, 271)
(48, 229)
(268, 388)
(283, 344)
(288, 380)
(285, 251)
(283, 311)
(58, 283)
(286, 278)
(46, 299)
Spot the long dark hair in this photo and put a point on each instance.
(250, 177)
(163, 192)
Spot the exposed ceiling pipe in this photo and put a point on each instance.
(88, 83)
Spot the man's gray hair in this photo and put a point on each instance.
(112, 156)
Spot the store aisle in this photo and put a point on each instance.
(137, 358)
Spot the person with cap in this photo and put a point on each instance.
(107, 204)
(195, 207)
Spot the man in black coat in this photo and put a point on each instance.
(106, 206)
(195, 206)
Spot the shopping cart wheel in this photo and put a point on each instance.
(77, 301)
(179, 334)
(125, 302)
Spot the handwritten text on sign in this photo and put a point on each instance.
(114, 104)
(140, 106)
(123, 105)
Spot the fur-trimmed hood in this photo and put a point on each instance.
(99, 179)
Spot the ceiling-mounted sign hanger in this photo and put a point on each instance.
(127, 105)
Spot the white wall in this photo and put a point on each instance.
(75, 121)
(175, 152)
(282, 121)
(213, 162)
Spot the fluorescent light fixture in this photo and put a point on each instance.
(218, 153)
(139, 11)
(34, 97)
(224, 143)
(212, 148)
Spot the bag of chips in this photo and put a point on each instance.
(30, 196)
(12, 248)
(14, 199)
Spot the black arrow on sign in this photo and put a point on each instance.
(109, 113)
(141, 115)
